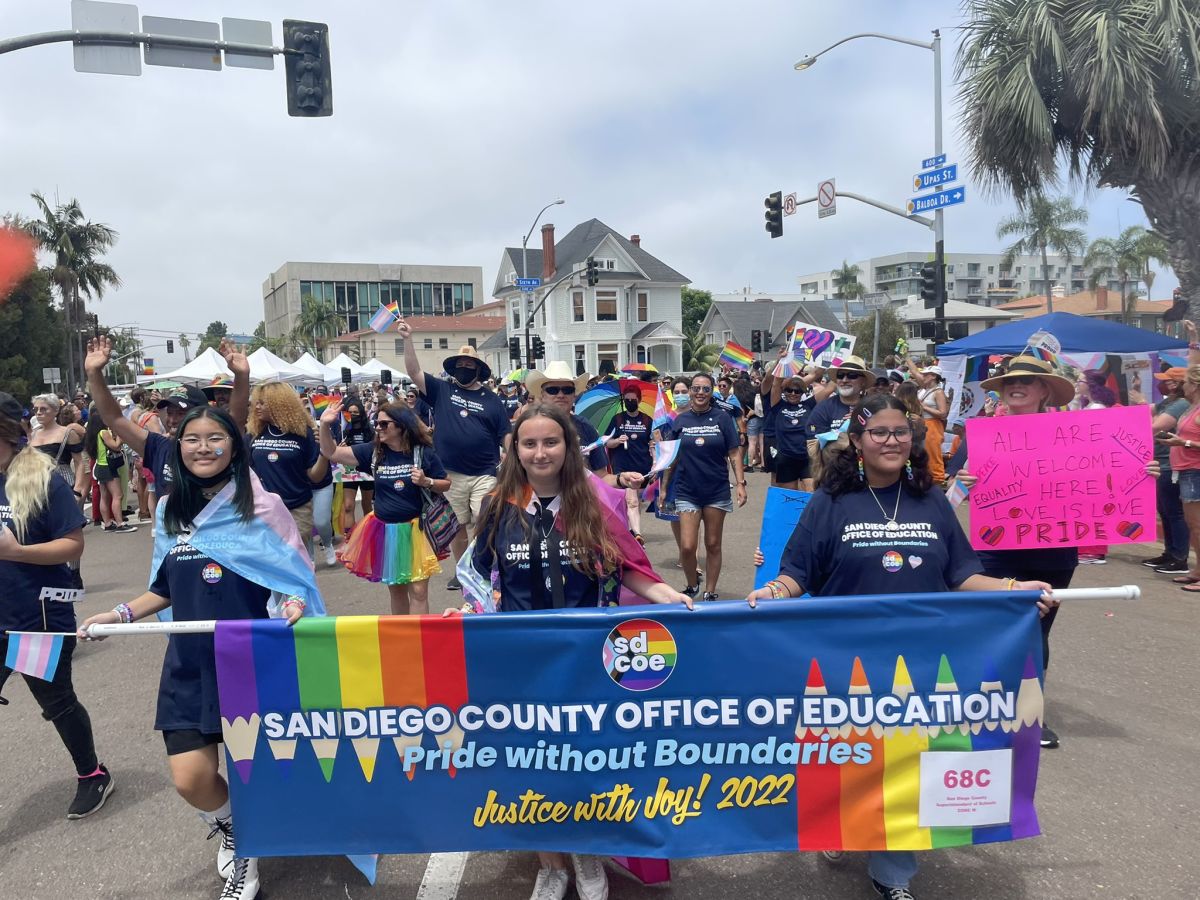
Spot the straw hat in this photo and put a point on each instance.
(466, 351)
(555, 371)
(1062, 390)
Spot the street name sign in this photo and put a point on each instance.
(926, 180)
(938, 200)
(528, 284)
(938, 160)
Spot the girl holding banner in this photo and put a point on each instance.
(554, 545)
(223, 544)
(881, 483)
(41, 531)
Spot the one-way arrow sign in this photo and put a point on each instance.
(937, 201)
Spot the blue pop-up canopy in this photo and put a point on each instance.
(1077, 334)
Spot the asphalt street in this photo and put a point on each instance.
(1117, 801)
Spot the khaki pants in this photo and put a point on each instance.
(303, 517)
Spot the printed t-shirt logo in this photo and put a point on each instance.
(212, 573)
(272, 456)
(639, 654)
(893, 561)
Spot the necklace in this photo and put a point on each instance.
(892, 524)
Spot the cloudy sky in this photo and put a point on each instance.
(454, 122)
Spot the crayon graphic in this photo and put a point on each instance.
(818, 785)
(990, 736)
(949, 737)
(238, 694)
(1027, 748)
(402, 667)
(361, 679)
(320, 685)
(278, 687)
(862, 783)
(445, 661)
(902, 749)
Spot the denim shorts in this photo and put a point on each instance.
(755, 425)
(684, 506)
(1189, 485)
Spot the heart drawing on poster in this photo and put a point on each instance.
(991, 534)
(817, 340)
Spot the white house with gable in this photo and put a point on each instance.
(633, 315)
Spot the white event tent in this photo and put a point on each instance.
(266, 366)
(201, 370)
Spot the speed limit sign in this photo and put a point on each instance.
(789, 204)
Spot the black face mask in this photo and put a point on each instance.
(464, 375)
(631, 406)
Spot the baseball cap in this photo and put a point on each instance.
(1175, 373)
(184, 397)
(10, 408)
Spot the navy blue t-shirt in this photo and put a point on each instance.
(730, 405)
(423, 411)
(841, 546)
(791, 432)
(634, 456)
(198, 588)
(597, 457)
(829, 415)
(470, 426)
(282, 461)
(769, 410)
(25, 583)
(702, 467)
(157, 456)
(511, 559)
(396, 499)
(512, 403)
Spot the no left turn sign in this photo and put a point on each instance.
(826, 198)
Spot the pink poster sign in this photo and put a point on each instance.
(1064, 479)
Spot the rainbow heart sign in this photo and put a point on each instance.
(823, 346)
(1063, 479)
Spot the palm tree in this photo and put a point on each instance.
(184, 343)
(1043, 224)
(317, 324)
(1127, 258)
(848, 288)
(697, 355)
(1109, 87)
(77, 246)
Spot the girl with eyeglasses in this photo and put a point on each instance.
(388, 545)
(880, 485)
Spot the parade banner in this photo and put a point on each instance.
(894, 722)
(781, 512)
(1066, 479)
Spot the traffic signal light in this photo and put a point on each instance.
(539, 348)
(756, 341)
(929, 286)
(593, 275)
(306, 68)
(514, 348)
(774, 214)
(170, 346)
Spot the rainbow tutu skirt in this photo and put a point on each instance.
(392, 554)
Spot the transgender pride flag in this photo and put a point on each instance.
(34, 653)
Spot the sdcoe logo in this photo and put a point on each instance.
(639, 654)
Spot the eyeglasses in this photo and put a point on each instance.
(383, 424)
(1022, 379)
(844, 374)
(191, 442)
(554, 390)
(881, 435)
(701, 388)
(42, 409)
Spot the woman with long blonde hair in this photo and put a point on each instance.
(284, 452)
(41, 531)
(555, 546)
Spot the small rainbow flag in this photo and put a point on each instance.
(386, 316)
(34, 653)
(735, 356)
(148, 366)
(320, 402)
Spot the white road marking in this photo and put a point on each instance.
(442, 875)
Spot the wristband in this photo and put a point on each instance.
(293, 600)
(124, 613)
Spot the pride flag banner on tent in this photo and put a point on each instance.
(853, 723)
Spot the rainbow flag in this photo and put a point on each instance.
(735, 356)
(385, 317)
(148, 366)
(34, 653)
(320, 402)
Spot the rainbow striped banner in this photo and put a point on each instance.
(832, 723)
(735, 356)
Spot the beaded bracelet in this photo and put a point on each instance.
(293, 600)
(124, 613)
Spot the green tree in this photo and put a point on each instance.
(317, 324)
(891, 329)
(77, 246)
(1110, 87)
(212, 335)
(31, 337)
(697, 355)
(695, 308)
(1043, 225)
(1127, 258)
(184, 343)
(277, 345)
(847, 287)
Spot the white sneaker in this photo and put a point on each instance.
(225, 849)
(330, 556)
(551, 884)
(242, 883)
(591, 881)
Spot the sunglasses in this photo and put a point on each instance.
(701, 389)
(1022, 379)
(554, 390)
(843, 375)
(383, 424)
(793, 390)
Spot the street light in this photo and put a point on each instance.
(935, 45)
(525, 274)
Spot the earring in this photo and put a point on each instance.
(862, 476)
(908, 469)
